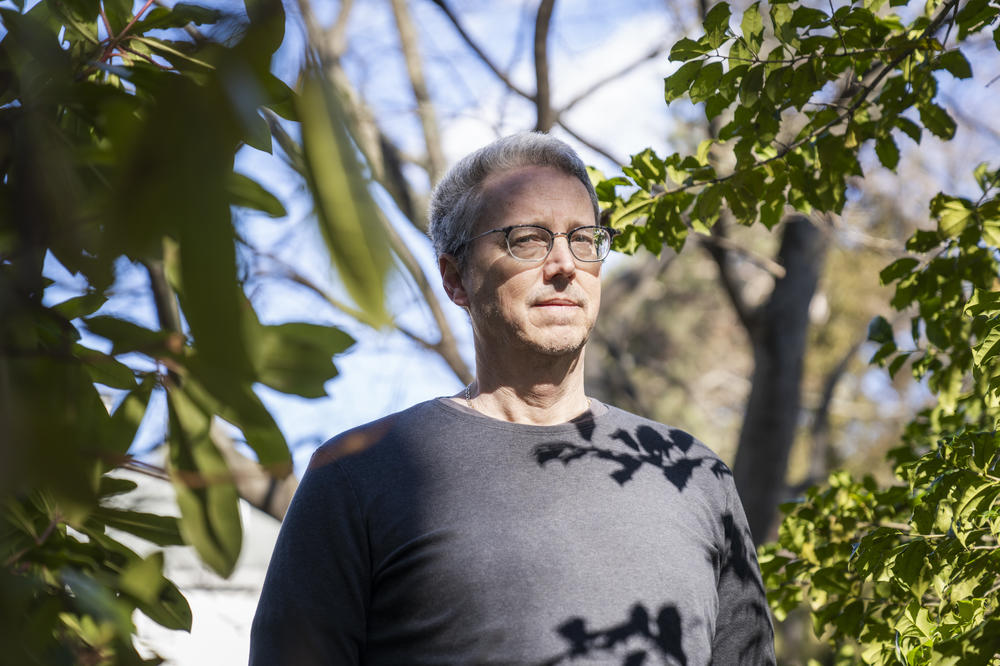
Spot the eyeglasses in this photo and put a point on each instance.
(527, 242)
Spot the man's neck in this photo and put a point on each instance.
(543, 391)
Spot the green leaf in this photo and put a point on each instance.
(955, 63)
(953, 215)
(897, 269)
(80, 306)
(125, 421)
(348, 218)
(170, 609)
(937, 120)
(280, 98)
(161, 530)
(605, 188)
(908, 127)
(247, 192)
(751, 86)
(706, 82)
(752, 26)
(111, 486)
(887, 151)
(983, 302)
(105, 369)
(256, 132)
(94, 599)
(717, 24)
(676, 85)
(991, 232)
(143, 578)
(880, 330)
(988, 348)
(296, 357)
(687, 49)
(182, 13)
(126, 336)
(215, 393)
(897, 363)
(206, 494)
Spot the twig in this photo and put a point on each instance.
(590, 144)
(479, 52)
(39, 540)
(592, 88)
(425, 109)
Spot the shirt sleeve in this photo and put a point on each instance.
(743, 631)
(312, 607)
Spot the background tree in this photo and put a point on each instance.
(904, 574)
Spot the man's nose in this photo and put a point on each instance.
(560, 259)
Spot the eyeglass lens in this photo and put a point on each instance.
(534, 243)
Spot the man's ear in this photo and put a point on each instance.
(451, 279)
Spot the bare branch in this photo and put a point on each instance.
(594, 87)
(765, 263)
(380, 152)
(543, 93)
(720, 253)
(590, 144)
(337, 33)
(479, 52)
(819, 463)
(253, 483)
(425, 109)
(446, 346)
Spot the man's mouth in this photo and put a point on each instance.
(557, 302)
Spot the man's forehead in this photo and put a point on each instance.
(527, 185)
(513, 181)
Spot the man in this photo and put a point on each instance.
(519, 521)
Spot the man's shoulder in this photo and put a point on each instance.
(364, 437)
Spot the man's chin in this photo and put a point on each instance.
(556, 345)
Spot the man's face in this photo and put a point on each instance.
(549, 306)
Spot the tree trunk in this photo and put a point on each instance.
(778, 333)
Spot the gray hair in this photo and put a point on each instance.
(455, 202)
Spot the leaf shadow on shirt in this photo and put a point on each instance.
(743, 632)
(660, 635)
(646, 447)
(739, 573)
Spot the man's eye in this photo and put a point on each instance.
(529, 238)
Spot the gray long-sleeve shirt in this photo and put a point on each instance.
(440, 536)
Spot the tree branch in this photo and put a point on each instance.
(765, 263)
(337, 33)
(718, 251)
(479, 52)
(543, 93)
(594, 87)
(425, 110)
(446, 346)
(593, 146)
(253, 483)
(819, 463)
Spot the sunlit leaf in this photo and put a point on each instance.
(161, 530)
(247, 192)
(348, 219)
(209, 504)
